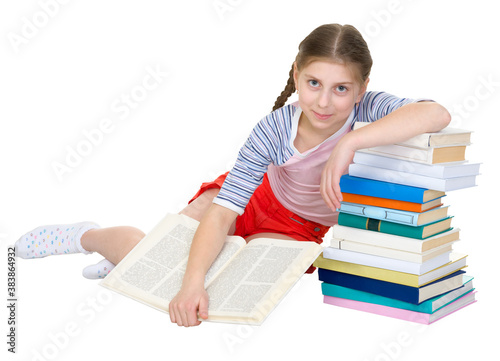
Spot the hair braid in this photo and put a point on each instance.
(285, 94)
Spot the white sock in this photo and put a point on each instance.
(52, 240)
(98, 270)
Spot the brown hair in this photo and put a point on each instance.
(332, 42)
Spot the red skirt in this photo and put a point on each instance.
(265, 214)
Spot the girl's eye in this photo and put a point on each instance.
(314, 83)
(341, 89)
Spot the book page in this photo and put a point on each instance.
(259, 276)
(153, 271)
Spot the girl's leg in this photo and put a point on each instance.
(197, 208)
(269, 235)
(114, 243)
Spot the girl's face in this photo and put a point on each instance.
(327, 94)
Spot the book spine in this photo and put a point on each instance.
(390, 215)
(377, 225)
(382, 202)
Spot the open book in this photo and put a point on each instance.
(244, 284)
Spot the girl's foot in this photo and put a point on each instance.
(98, 270)
(52, 240)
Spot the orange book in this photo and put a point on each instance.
(391, 203)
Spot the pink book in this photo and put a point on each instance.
(402, 314)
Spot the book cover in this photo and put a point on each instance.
(397, 291)
(372, 260)
(388, 190)
(392, 254)
(409, 179)
(443, 171)
(343, 233)
(376, 225)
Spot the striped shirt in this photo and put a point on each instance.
(294, 177)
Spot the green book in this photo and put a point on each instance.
(420, 232)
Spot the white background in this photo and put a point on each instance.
(225, 70)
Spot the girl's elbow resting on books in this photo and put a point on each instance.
(438, 117)
(444, 117)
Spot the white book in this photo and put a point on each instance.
(420, 155)
(457, 262)
(446, 137)
(443, 170)
(395, 253)
(409, 179)
(392, 241)
(386, 263)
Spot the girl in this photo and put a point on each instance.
(285, 182)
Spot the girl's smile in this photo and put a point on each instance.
(322, 116)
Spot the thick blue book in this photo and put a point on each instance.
(374, 188)
(415, 295)
(429, 306)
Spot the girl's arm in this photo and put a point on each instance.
(207, 243)
(250, 166)
(398, 126)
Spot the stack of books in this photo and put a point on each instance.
(392, 249)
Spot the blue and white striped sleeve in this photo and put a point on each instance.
(267, 144)
(376, 105)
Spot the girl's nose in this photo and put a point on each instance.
(324, 99)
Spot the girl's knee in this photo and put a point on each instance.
(197, 208)
(129, 238)
(133, 234)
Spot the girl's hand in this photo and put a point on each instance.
(192, 299)
(335, 167)
(187, 304)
